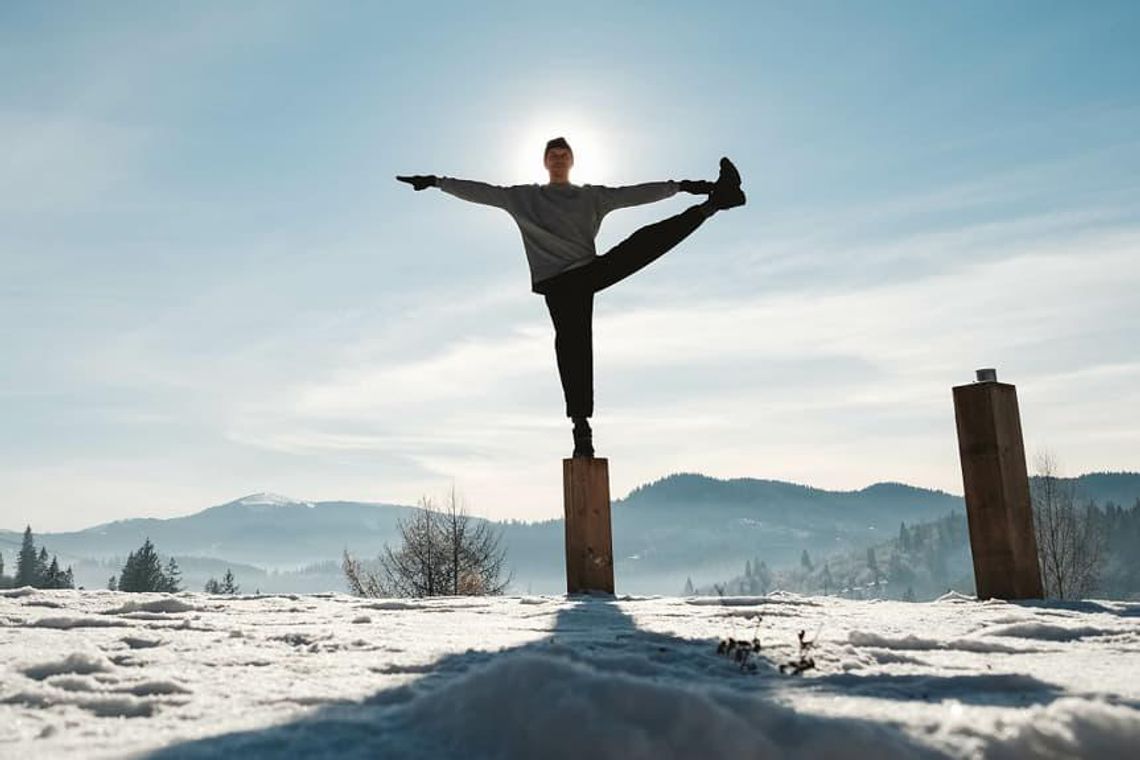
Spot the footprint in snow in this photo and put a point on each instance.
(137, 642)
(80, 663)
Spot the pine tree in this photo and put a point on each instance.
(228, 586)
(42, 567)
(763, 577)
(53, 578)
(130, 571)
(898, 572)
(827, 580)
(873, 565)
(688, 587)
(213, 587)
(172, 578)
(805, 561)
(1, 566)
(26, 560)
(112, 583)
(142, 571)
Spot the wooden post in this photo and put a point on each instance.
(589, 543)
(996, 483)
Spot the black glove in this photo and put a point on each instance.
(420, 181)
(696, 186)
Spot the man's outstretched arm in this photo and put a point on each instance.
(465, 189)
(610, 198)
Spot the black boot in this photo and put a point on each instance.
(583, 438)
(726, 192)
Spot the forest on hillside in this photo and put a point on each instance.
(925, 560)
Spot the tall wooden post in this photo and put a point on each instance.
(996, 483)
(589, 542)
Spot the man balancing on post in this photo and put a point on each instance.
(559, 222)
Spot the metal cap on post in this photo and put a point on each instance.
(996, 484)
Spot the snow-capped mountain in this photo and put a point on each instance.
(270, 500)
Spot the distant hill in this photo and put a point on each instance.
(683, 525)
(691, 494)
(693, 525)
(263, 529)
(1121, 488)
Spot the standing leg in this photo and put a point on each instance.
(572, 312)
(570, 296)
(570, 300)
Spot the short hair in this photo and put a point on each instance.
(557, 142)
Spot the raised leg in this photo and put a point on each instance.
(642, 248)
(570, 300)
(570, 295)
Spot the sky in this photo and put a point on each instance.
(211, 285)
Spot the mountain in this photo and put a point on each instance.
(1121, 488)
(681, 526)
(262, 529)
(691, 525)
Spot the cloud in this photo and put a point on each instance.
(188, 273)
(837, 388)
(55, 162)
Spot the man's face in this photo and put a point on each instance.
(558, 161)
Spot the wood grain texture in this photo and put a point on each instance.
(996, 484)
(589, 541)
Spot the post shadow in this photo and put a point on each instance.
(593, 687)
(1122, 609)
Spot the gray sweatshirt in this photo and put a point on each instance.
(558, 222)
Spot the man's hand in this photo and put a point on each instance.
(696, 186)
(420, 181)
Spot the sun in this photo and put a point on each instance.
(592, 164)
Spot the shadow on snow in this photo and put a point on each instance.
(600, 687)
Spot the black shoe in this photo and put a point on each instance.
(726, 192)
(583, 439)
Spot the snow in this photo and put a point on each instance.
(194, 675)
(1047, 632)
(18, 592)
(870, 639)
(271, 500)
(68, 622)
(165, 605)
(77, 662)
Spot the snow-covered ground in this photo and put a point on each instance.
(101, 673)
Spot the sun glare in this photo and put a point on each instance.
(592, 164)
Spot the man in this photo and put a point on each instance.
(559, 222)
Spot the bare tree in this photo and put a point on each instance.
(361, 581)
(443, 552)
(1070, 544)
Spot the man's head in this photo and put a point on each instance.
(558, 160)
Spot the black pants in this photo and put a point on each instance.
(570, 300)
